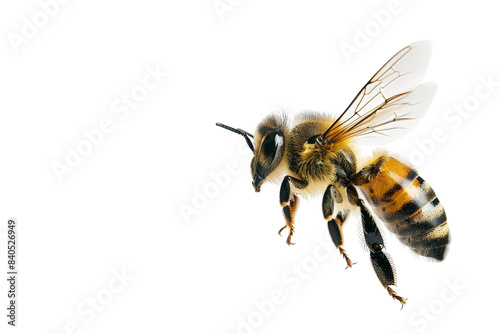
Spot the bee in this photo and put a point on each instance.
(315, 153)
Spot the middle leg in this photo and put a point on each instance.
(335, 224)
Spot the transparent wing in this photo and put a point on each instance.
(389, 105)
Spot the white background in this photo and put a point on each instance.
(215, 268)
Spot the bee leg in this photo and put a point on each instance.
(335, 229)
(381, 261)
(289, 212)
(335, 224)
(288, 202)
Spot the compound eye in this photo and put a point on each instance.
(271, 143)
(268, 144)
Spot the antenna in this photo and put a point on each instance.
(240, 132)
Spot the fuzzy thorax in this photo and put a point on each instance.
(316, 164)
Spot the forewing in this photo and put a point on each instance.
(389, 105)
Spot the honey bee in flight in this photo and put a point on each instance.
(315, 153)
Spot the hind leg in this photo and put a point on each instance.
(381, 262)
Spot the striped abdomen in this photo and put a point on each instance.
(409, 207)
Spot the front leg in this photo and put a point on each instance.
(288, 202)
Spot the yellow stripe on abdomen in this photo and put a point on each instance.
(409, 207)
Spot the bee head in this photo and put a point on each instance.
(269, 150)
